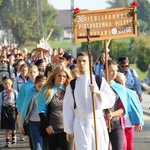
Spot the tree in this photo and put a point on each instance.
(21, 17)
(144, 11)
(118, 3)
(96, 48)
(143, 25)
(140, 51)
(143, 56)
(119, 48)
(49, 20)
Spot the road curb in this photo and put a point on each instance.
(146, 112)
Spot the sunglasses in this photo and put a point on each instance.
(125, 66)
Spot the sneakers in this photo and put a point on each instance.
(14, 140)
(22, 138)
(7, 143)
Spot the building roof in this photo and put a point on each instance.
(64, 18)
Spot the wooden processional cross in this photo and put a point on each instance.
(104, 25)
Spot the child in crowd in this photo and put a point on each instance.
(30, 114)
(32, 73)
(4, 67)
(75, 72)
(41, 64)
(17, 68)
(8, 112)
(48, 70)
(22, 78)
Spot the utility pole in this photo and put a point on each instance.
(74, 50)
(39, 18)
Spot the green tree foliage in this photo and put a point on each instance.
(144, 11)
(143, 60)
(118, 3)
(119, 48)
(49, 20)
(96, 48)
(140, 51)
(143, 25)
(21, 17)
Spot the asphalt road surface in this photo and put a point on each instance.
(142, 139)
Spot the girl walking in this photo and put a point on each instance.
(8, 112)
(29, 114)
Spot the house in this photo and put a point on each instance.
(64, 19)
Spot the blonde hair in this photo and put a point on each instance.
(120, 78)
(50, 82)
(33, 66)
(75, 71)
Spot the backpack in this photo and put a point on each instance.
(73, 82)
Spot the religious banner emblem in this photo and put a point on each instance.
(105, 24)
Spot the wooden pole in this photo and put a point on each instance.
(106, 59)
(107, 78)
(91, 80)
(49, 36)
(42, 54)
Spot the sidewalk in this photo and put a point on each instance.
(146, 104)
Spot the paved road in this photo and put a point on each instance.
(21, 145)
(142, 139)
(146, 104)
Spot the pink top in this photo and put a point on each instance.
(122, 118)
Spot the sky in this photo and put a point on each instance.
(82, 4)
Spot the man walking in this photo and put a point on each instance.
(78, 121)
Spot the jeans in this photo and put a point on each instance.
(36, 138)
(58, 142)
(117, 136)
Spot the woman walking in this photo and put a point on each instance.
(50, 108)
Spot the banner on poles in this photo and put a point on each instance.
(105, 24)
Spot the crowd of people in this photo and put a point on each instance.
(37, 91)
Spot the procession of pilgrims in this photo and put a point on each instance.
(46, 99)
